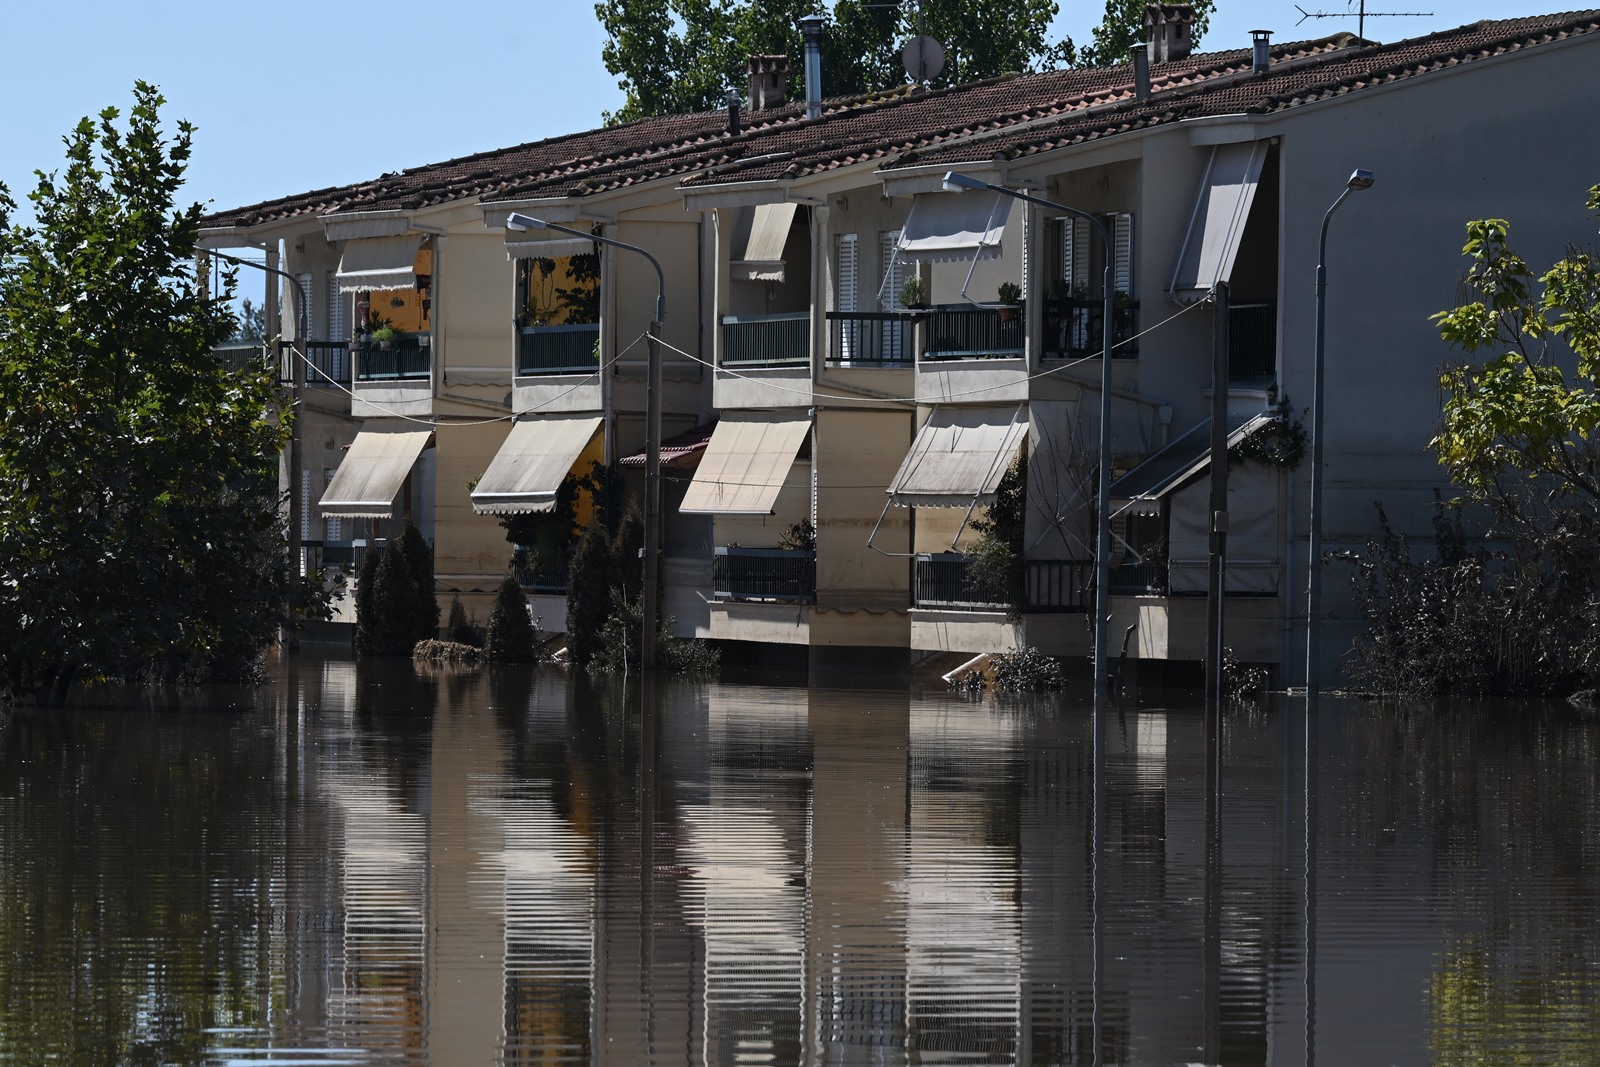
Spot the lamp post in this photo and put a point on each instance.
(652, 431)
(297, 378)
(1359, 179)
(956, 183)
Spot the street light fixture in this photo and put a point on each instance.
(1358, 180)
(652, 432)
(957, 183)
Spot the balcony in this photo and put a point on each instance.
(1072, 328)
(764, 574)
(1136, 577)
(871, 338)
(407, 359)
(766, 340)
(566, 349)
(1252, 342)
(950, 581)
(327, 363)
(964, 332)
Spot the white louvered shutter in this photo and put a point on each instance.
(890, 346)
(846, 283)
(1122, 254)
(1075, 252)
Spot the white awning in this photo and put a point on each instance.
(760, 258)
(959, 456)
(370, 477)
(377, 263)
(746, 463)
(520, 246)
(1139, 492)
(1220, 212)
(953, 226)
(526, 472)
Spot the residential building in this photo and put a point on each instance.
(884, 430)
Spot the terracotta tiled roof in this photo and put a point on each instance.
(1286, 85)
(1006, 117)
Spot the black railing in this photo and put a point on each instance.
(568, 349)
(1071, 329)
(971, 333)
(1252, 341)
(871, 338)
(405, 358)
(1146, 577)
(242, 354)
(775, 574)
(952, 580)
(327, 363)
(766, 340)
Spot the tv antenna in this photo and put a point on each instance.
(1361, 14)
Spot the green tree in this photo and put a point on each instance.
(675, 56)
(589, 583)
(395, 603)
(140, 528)
(252, 328)
(1518, 434)
(511, 637)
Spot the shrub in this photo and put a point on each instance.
(618, 651)
(512, 637)
(1026, 670)
(463, 629)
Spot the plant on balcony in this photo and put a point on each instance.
(914, 293)
(801, 537)
(384, 337)
(995, 570)
(1010, 294)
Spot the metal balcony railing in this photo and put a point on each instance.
(951, 580)
(327, 363)
(572, 348)
(955, 332)
(407, 358)
(1147, 577)
(239, 355)
(766, 340)
(1071, 329)
(871, 338)
(765, 574)
(1252, 341)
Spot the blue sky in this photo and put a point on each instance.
(294, 96)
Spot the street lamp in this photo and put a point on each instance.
(1359, 179)
(957, 183)
(652, 431)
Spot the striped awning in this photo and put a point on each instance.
(760, 258)
(526, 472)
(746, 463)
(373, 471)
(378, 263)
(959, 456)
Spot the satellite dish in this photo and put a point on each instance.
(923, 58)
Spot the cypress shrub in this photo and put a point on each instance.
(511, 636)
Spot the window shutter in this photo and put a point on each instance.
(891, 344)
(305, 504)
(846, 281)
(338, 320)
(894, 271)
(1122, 261)
(1075, 252)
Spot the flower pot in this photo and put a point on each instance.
(1007, 312)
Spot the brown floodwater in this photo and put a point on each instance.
(379, 864)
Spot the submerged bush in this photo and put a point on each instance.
(1026, 670)
(512, 637)
(618, 651)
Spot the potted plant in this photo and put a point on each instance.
(385, 336)
(914, 293)
(1010, 297)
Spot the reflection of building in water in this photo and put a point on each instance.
(741, 849)
(384, 853)
(963, 921)
(856, 987)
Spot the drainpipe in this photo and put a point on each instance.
(811, 30)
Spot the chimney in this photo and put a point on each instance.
(1141, 72)
(769, 81)
(1167, 28)
(1260, 50)
(811, 30)
(732, 99)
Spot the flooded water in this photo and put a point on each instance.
(376, 866)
